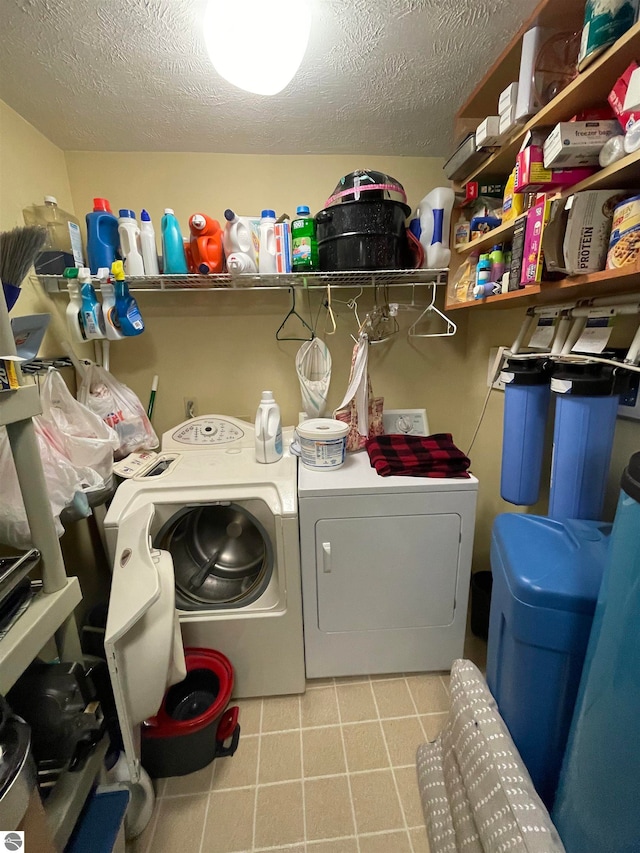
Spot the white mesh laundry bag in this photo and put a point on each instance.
(313, 366)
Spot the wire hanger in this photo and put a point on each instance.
(330, 315)
(293, 313)
(451, 328)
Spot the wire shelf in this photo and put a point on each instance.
(280, 281)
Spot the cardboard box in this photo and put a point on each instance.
(586, 239)
(553, 237)
(507, 120)
(508, 98)
(485, 189)
(488, 132)
(527, 102)
(533, 256)
(517, 253)
(577, 143)
(623, 91)
(531, 175)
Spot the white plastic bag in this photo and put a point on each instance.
(85, 438)
(118, 407)
(64, 480)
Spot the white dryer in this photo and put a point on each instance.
(385, 569)
(229, 528)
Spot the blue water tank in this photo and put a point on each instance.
(546, 577)
(596, 808)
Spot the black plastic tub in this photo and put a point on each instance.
(363, 235)
(481, 586)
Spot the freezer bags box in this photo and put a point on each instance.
(577, 143)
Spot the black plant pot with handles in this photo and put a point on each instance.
(363, 235)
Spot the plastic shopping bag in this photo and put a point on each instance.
(359, 408)
(65, 482)
(84, 437)
(118, 407)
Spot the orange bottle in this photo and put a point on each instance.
(204, 251)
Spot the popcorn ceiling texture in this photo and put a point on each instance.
(379, 76)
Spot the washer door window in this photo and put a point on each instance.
(222, 556)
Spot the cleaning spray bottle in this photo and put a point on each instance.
(107, 290)
(74, 308)
(92, 318)
(268, 429)
(129, 316)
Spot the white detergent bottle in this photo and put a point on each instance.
(435, 221)
(109, 313)
(239, 262)
(239, 237)
(129, 235)
(267, 259)
(268, 429)
(148, 245)
(74, 312)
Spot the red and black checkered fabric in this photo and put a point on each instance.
(417, 456)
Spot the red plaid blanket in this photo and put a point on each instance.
(417, 456)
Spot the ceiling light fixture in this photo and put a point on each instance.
(255, 44)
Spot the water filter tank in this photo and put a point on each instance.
(526, 407)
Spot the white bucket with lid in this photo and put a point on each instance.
(323, 443)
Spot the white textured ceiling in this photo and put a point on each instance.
(379, 76)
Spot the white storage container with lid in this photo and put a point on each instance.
(323, 443)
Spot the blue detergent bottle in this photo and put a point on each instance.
(127, 311)
(102, 236)
(175, 260)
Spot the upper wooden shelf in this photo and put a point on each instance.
(590, 88)
(569, 289)
(498, 235)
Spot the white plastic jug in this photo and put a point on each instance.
(267, 260)
(240, 237)
(239, 262)
(148, 245)
(435, 222)
(129, 235)
(268, 429)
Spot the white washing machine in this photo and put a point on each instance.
(385, 569)
(229, 528)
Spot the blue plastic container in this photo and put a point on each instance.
(102, 236)
(597, 804)
(526, 407)
(546, 577)
(175, 260)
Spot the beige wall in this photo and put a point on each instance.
(30, 168)
(220, 347)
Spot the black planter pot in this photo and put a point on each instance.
(363, 235)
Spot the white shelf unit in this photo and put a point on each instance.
(50, 613)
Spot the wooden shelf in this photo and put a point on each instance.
(623, 174)
(38, 623)
(498, 235)
(589, 88)
(570, 289)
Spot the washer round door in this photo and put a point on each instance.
(222, 556)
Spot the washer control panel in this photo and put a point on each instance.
(207, 431)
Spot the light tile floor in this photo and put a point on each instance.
(331, 771)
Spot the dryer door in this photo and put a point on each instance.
(142, 640)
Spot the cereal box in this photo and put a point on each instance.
(624, 243)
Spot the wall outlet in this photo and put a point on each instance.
(630, 402)
(190, 407)
(498, 385)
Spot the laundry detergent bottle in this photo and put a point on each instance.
(148, 244)
(175, 259)
(102, 236)
(268, 429)
(129, 316)
(130, 247)
(303, 241)
(267, 260)
(240, 242)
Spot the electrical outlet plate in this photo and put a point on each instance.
(405, 421)
(630, 402)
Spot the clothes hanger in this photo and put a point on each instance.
(330, 315)
(451, 328)
(293, 313)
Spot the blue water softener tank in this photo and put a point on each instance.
(546, 577)
(526, 406)
(587, 398)
(596, 808)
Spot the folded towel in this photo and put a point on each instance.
(417, 456)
